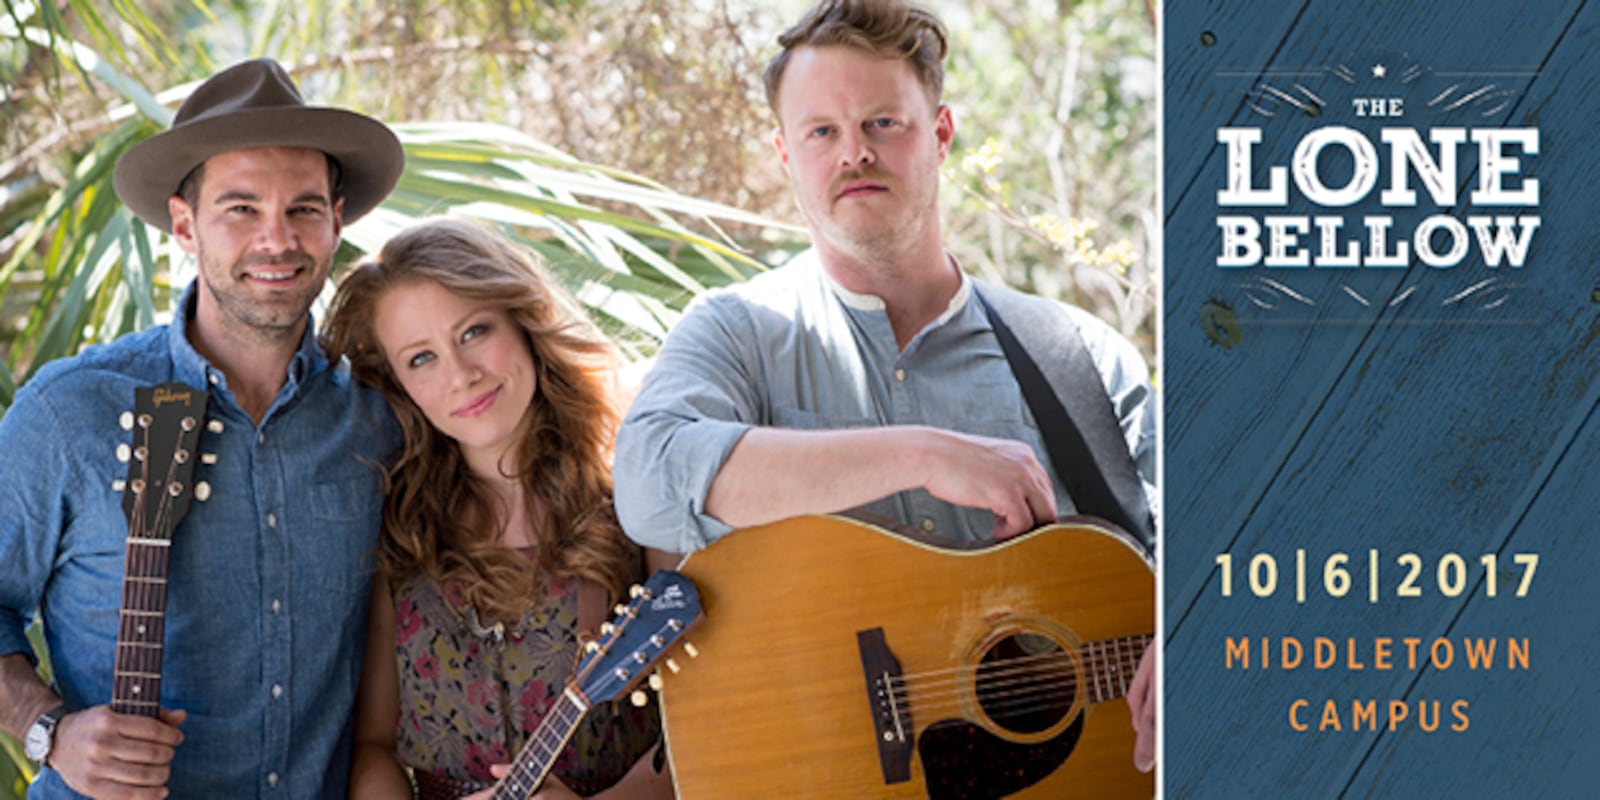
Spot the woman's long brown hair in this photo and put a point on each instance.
(439, 519)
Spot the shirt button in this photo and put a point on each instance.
(927, 524)
(276, 606)
(272, 520)
(261, 438)
(272, 779)
(213, 378)
(900, 375)
(277, 690)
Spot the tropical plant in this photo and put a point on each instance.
(1053, 166)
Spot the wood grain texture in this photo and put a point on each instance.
(1402, 425)
(775, 704)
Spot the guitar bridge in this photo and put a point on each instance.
(886, 700)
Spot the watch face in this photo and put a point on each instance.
(37, 745)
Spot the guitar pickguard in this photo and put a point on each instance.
(962, 761)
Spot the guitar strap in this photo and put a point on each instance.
(1080, 430)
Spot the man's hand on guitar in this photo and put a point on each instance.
(1001, 475)
(103, 754)
(1142, 707)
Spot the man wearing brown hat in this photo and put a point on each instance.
(267, 579)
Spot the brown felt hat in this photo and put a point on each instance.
(255, 104)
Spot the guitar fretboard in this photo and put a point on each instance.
(1109, 665)
(539, 754)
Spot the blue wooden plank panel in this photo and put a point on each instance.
(1411, 424)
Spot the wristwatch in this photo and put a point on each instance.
(42, 734)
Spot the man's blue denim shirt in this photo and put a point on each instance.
(266, 609)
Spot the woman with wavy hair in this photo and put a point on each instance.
(500, 544)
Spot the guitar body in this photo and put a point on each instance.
(840, 660)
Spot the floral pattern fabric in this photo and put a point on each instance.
(471, 698)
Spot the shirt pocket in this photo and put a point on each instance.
(993, 408)
(346, 514)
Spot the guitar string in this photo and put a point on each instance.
(1030, 688)
(153, 558)
(990, 681)
(958, 673)
(1101, 672)
(133, 591)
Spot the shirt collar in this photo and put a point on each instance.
(192, 368)
(869, 302)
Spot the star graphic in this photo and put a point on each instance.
(1378, 70)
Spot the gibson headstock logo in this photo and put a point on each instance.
(163, 396)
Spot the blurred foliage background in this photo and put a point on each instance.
(627, 141)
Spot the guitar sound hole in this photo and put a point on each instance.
(1026, 683)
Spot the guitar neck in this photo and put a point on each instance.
(539, 754)
(1109, 665)
(136, 688)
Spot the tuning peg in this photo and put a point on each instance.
(655, 681)
(635, 590)
(606, 628)
(215, 426)
(619, 610)
(119, 485)
(639, 698)
(688, 647)
(126, 420)
(174, 488)
(202, 491)
(137, 485)
(145, 420)
(187, 424)
(124, 452)
(141, 452)
(208, 458)
(591, 646)
(673, 666)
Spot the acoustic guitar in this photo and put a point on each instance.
(843, 660)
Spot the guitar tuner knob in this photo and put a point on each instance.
(126, 420)
(124, 452)
(591, 646)
(619, 610)
(208, 458)
(688, 647)
(215, 426)
(606, 628)
(658, 640)
(673, 667)
(635, 590)
(655, 681)
(675, 624)
(639, 698)
(640, 658)
(119, 485)
(202, 491)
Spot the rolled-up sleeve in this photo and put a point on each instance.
(696, 402)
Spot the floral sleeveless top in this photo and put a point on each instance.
(471, 696)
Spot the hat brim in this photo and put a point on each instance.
(369, 154)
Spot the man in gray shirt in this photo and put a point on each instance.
(864, 374)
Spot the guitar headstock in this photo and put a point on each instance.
(658, 617)
(166, 422)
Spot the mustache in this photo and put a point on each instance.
(869, 174)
